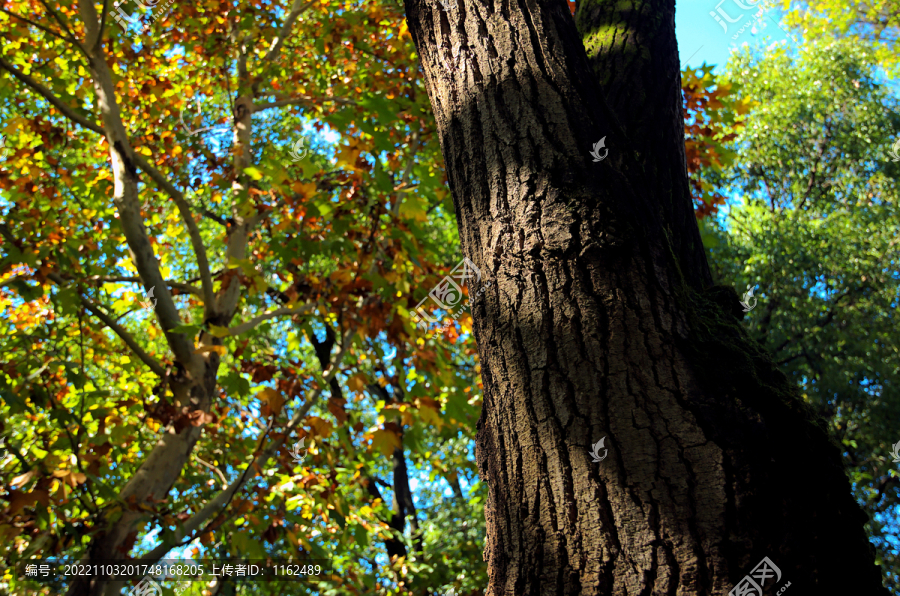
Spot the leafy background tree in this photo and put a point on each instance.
(339, 245)
(345, 243)
(875, 22)
(816, 229)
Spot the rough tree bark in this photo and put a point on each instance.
(601, 321)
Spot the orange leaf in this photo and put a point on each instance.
(385, 441)
(273, 399)
(357, 382)
(320, 427)
(306, 189)
(199, 418)
(19, 500)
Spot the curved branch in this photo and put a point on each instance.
(35, 25)
(144, 165)
(301, 100)
(214, 469)
(193, 231)
(65, 27)
(66, 110)
(281, 312)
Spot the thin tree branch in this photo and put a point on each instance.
(214, 469)
(172, 284)
(296, 9)
(404, 181)
(67, 28)
(210, 215)
(33, 24)
(220, 501)
(301, 100)
(126, 337)
(13, 280)
(193, 230)
(103, 13)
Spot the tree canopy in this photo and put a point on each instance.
(816, 231)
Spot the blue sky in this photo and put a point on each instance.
(701, 38)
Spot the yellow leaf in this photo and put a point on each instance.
(341, 277)
(293, 538)
(347, 157)
(217, 331)
(413, 208)
(431, 414)
(21, 480)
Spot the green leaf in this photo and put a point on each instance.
(253, 173)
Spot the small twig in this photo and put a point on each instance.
(214, 469)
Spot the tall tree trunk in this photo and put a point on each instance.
(643, 100)
(403, 499)
(392, 544)
(402, 505)
(600, 323)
